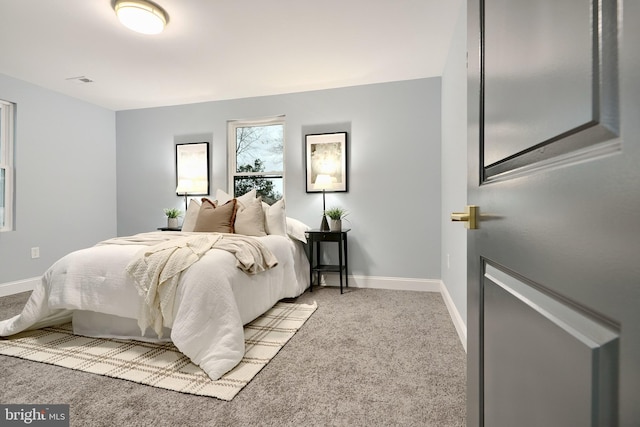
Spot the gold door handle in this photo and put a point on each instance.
(469, 217)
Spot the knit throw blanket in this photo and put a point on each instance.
(156, 270)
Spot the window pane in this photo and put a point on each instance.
(2, 118)
(2, 201)
(269, 188)
(259, 148)
(6, 164)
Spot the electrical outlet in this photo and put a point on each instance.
(35, 252)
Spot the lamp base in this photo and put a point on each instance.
(325, 225)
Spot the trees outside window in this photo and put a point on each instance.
(256, 158)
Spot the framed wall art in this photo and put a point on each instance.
(326, 162)
(192, 169)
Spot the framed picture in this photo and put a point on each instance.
(326, 161)
(192, 169)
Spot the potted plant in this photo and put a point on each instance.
(172, 217)
(335, 215)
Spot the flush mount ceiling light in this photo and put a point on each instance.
(141, 16)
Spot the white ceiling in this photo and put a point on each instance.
(222, 49)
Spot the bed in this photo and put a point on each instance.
(202, 306)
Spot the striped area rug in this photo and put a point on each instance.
(161, 365)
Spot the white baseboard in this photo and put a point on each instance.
(459, 324)
(376, 282)
(24, 285)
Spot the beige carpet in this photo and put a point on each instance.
(161, 365)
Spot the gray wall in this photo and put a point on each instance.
(454, 166)
(394, 166)
(65, 178)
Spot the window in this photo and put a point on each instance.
(256, 158)
(6, 165)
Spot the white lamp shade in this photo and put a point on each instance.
(191, 186)
(141, 16)
(323, 182)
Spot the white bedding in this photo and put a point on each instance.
(213, 300)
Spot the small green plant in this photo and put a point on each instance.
(173, 213)
(336, 213)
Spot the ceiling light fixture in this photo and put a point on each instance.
(141, 16)
(80, 80)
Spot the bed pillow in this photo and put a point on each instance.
(223, 197)
(296, 229)
(214, 219)
(250, 219)
(191, 216)
(275, 218)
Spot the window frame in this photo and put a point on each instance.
(7, 141)
(232, 164)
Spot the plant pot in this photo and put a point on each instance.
(172, 222)
(335, 224)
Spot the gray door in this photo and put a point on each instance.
(554, 166)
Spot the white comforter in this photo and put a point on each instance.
(213, 300)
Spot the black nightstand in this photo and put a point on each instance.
(170, 228)
(315, 237)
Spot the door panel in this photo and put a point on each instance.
(544, 353)
(548, 90)
(550, 83)
(554, 165)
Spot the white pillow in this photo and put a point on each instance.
(191, 216)
(275, 218)
(250, 219)
(222, 197)
(296, 229)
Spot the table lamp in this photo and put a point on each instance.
(191, 186)
(323, 182)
